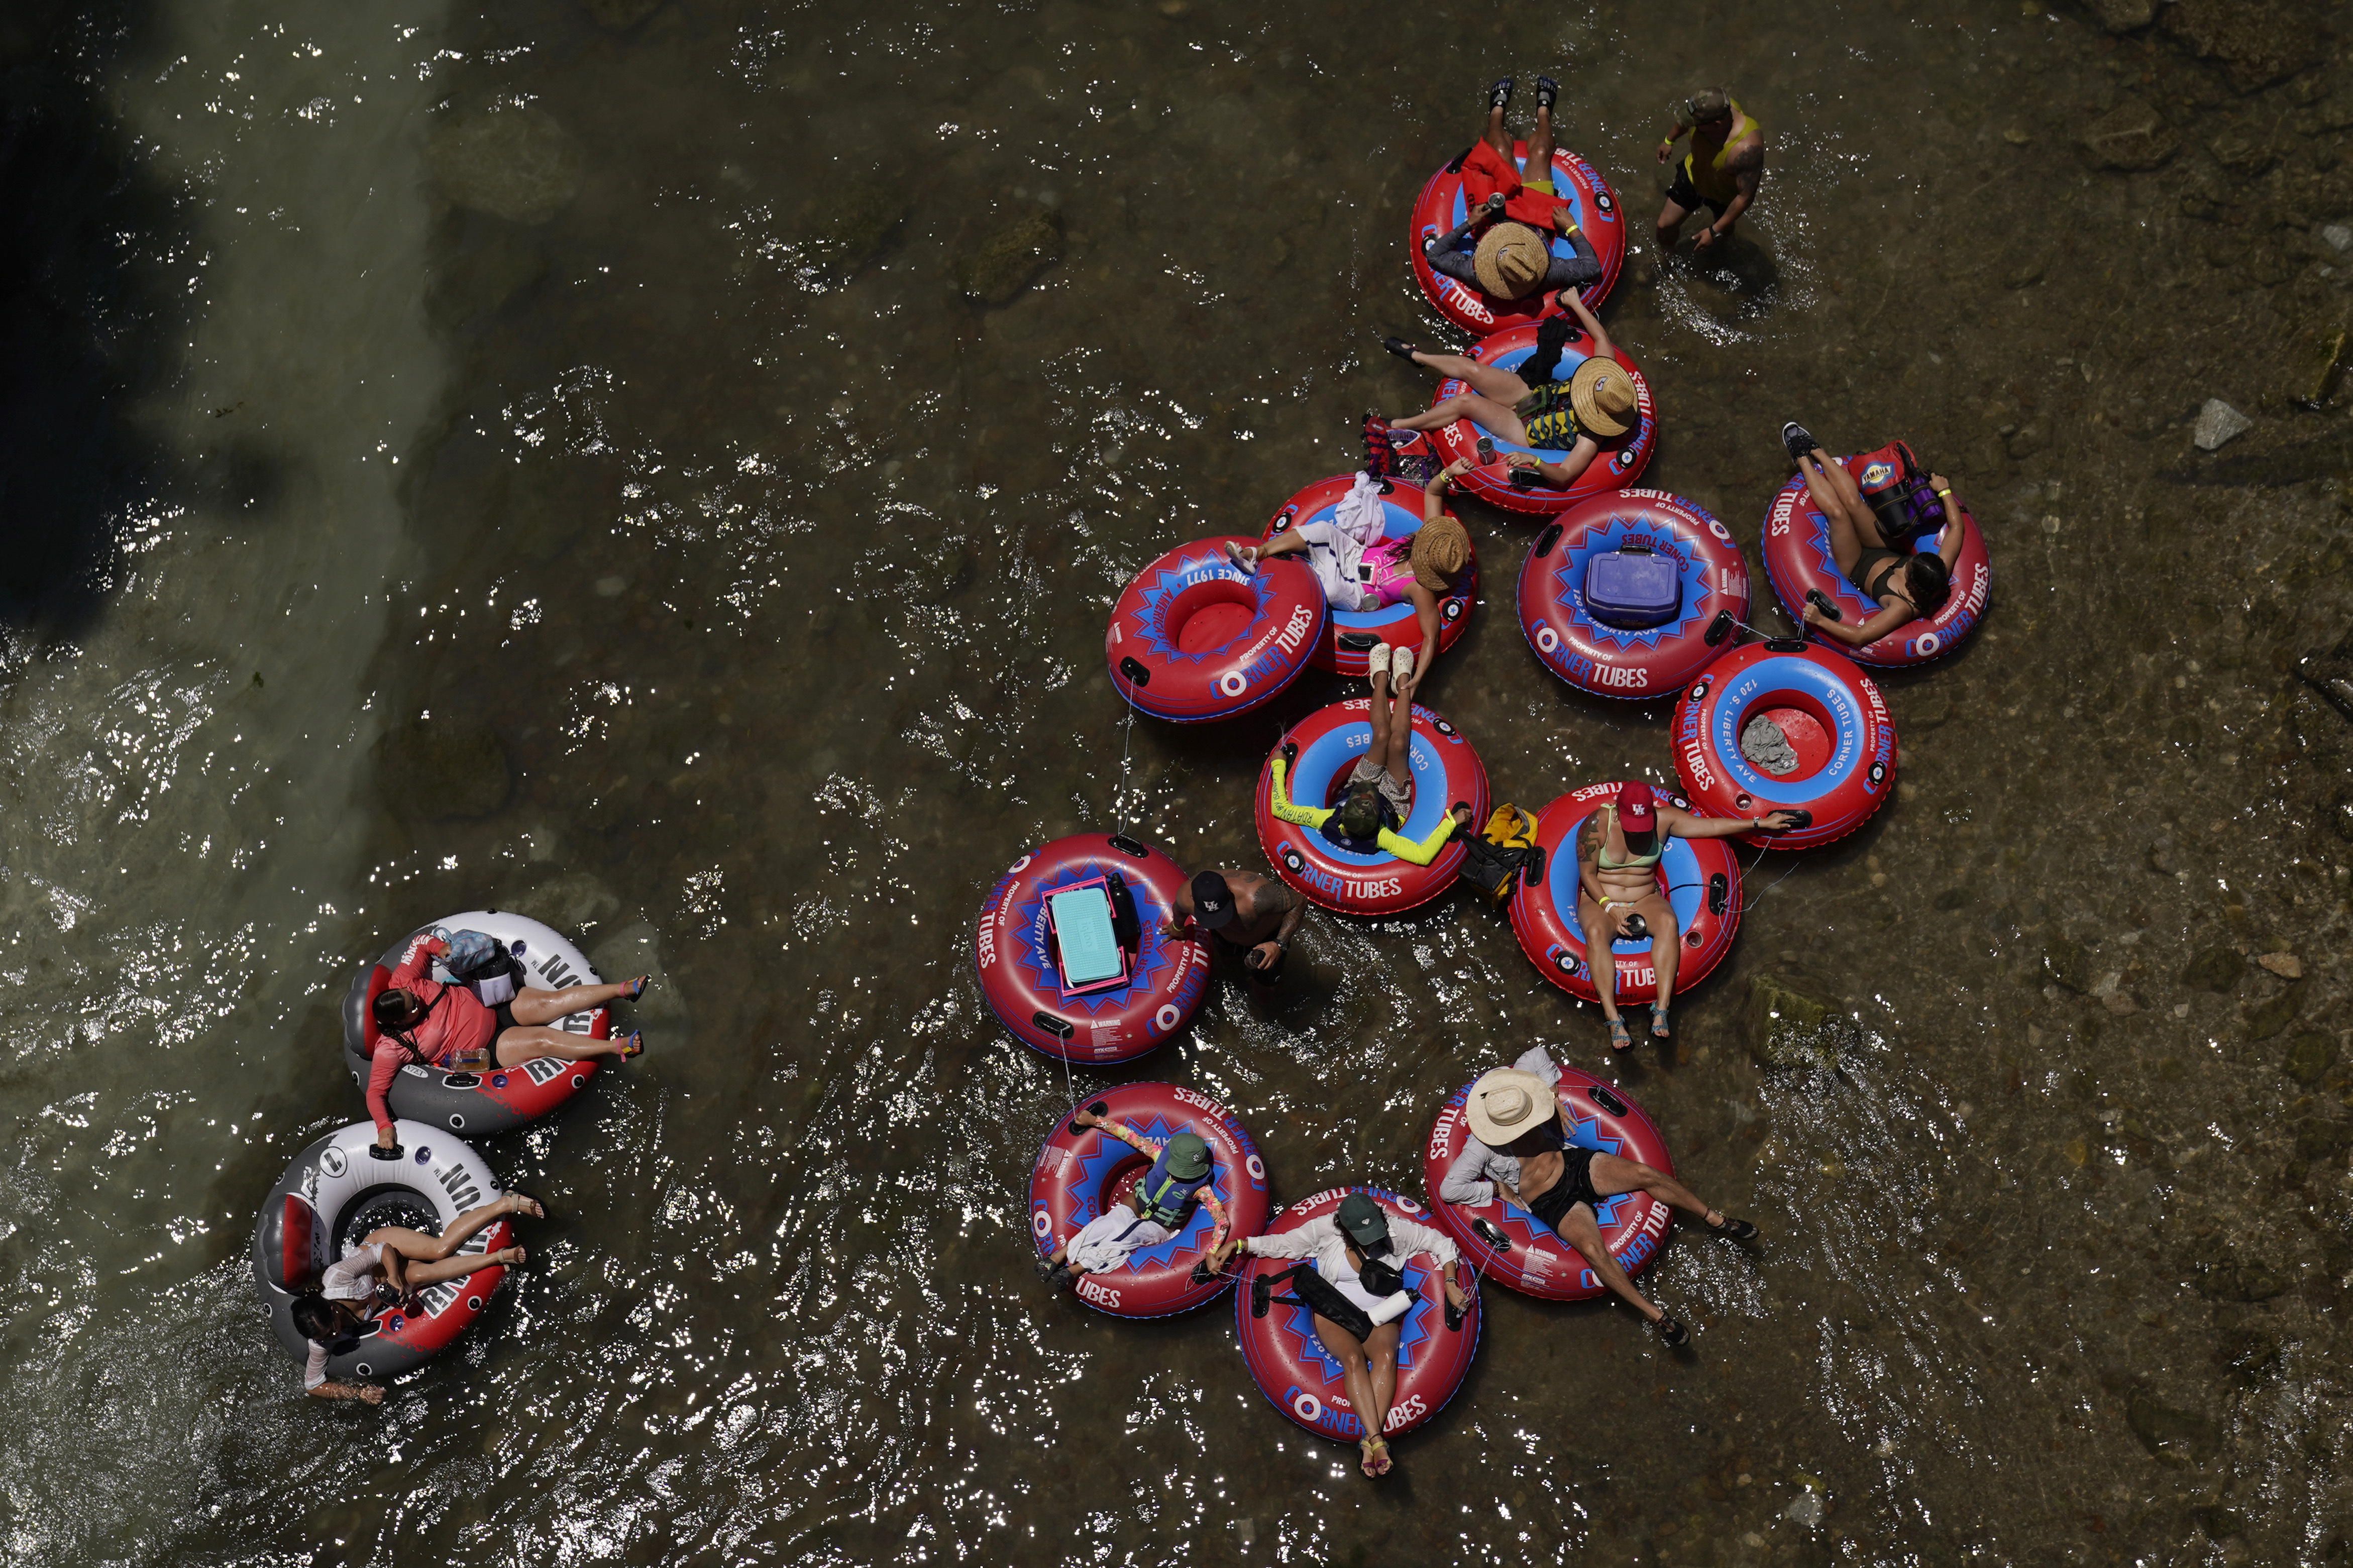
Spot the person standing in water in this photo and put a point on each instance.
(1722, 171)
(1247, 915)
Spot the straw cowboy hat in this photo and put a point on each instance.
(1603, 396)
(1440, 550)
(1507, 1104)
(1512, 259)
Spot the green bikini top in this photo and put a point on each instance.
(1635, 863)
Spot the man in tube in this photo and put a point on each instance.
(1356, 1289)
(1519, 1149)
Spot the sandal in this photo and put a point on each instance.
(1398, 347)
(1671, 1329)
(1619, 1040)
(1375, 1461)
(525, 1204)
(635, 1046)
(1730, 1229)
(1244, 558)
(636, 988)
(1547, 92)
(1499, 94)
(1661, 1029)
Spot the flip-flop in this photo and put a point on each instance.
(1398, 347)
(1619, 1040)
(1373, 1456)
(636, 988)
(635, 1046)
(1244, 558)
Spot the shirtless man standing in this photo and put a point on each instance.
(1723, 169)
(1249, 915)
(1618, 853)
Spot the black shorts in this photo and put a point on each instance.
(503, 1014)
(1685, 194)
(1239, 952)
(1575, 1187)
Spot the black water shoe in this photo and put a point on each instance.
(1499, 94)
(1671, 1329)
(1398, 347)
(1733, 1229)
(1547, 92)
(1799, 440)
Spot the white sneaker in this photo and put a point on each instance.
(1402, 666)
(1377, 659)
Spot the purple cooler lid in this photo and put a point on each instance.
(1632, 588)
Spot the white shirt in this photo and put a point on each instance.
(350, 1278)
(1324, 1240)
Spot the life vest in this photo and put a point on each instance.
(1165, 1199)
(1504, 853)
(1898, 493)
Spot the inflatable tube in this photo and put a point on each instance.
(1834, 721)
(1611, 661)
(335, 1192)
(1441, 208)
(1021, 970)
(1330, 740)
(1700, 878)
(1396, 624)
(1797, 558)
(1633, 1224)
(1079, 1174)
(481, 1105)
(1613, 467)
(1291, 1366)
(1193, 638)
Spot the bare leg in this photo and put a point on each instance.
(1356, 1378)
(1501, 386)
(1380, 1354)
(1290, 541)
(1612, 1174)
(1599, 953)
(519, 1045)
(1671, 223)
(1495, 418)
(1392, 731)
(1665, 944)
(1539, 161)
(532, 1006)
(429, 1259)
(1495, 135)
(1578, 1228)
(1847, 540)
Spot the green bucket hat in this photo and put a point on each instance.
(1188, 1157)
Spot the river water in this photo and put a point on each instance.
(542, 456)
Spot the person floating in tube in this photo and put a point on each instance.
(1618, 853)
(1248, 916)
(1906, 586)
(390, 1265)
(1157, 1207)
(1519, 1149)
(1512, 212)
(422, 1020)
(1360, 570)
(1379, 797)
(1723, 169)
(1356, 1288)
(1528, 407)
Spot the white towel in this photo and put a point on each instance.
(1360, 514)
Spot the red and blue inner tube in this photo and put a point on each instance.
(1593, 207)
(1291, 1366)
(1330, 740)
(1831, 715)
(1021, 975)
(1344, 647)
(1081, 1174)
(1701, 879)
(1610, 661)
(1194, 638)
(1797, 561)
(1614, 467)
(1633, 1224)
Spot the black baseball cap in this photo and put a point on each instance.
(1213, 902)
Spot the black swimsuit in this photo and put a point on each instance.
(1575, 1187)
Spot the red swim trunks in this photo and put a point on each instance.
(1486, 171)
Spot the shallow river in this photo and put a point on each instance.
(544, 458)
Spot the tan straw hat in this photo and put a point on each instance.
(1603, 396)
(1507, 1104)
(1512, 259)
(1440, 550)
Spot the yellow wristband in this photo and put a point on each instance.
(1946, 494)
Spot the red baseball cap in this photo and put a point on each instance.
(1635, 811)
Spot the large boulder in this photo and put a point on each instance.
(2130, 136)
(514, 163)
(1787, 1025)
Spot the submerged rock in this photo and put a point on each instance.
(2130, 136)
(636, 950)
(567, 903)
(2258, 40)
(2214, 969)
(2268, 1019)
(1786, 1027)
(1009, 258)
(517, 163)
(2313, 358)
(2124, 16)
(855, 228)
(2177, 1437)
(2309, 1057)
(2219, 423)
(2230, 1281)
(444, 768)
(2066, 963)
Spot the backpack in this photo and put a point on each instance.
(479, 962)
(1899, 494)
(1502, 855)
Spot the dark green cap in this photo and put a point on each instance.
(1188, 1157)
(1367, 1222)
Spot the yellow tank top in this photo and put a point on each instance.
(1712, 180)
